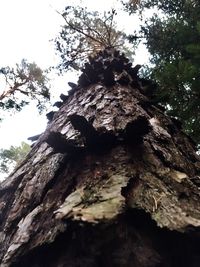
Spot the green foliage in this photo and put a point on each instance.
(10, 158)
(173, 40)
(22, 84)
(85, 33)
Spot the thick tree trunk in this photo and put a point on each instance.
(111, 182)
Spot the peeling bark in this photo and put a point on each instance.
(111, 182)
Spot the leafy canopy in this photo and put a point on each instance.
(173, 40)
(22, 84)
(86, 32)
(10, 158)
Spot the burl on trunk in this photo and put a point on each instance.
(112, 181)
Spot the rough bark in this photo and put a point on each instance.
(112, 181)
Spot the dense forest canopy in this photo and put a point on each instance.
(173, 41)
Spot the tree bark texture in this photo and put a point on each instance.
(112, 181)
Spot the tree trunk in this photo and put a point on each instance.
(112, 181)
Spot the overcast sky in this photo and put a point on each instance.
(26, 28)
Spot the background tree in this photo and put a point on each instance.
(21, 84)
(173, 40)
(10, 158)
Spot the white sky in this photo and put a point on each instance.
(26, 28)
